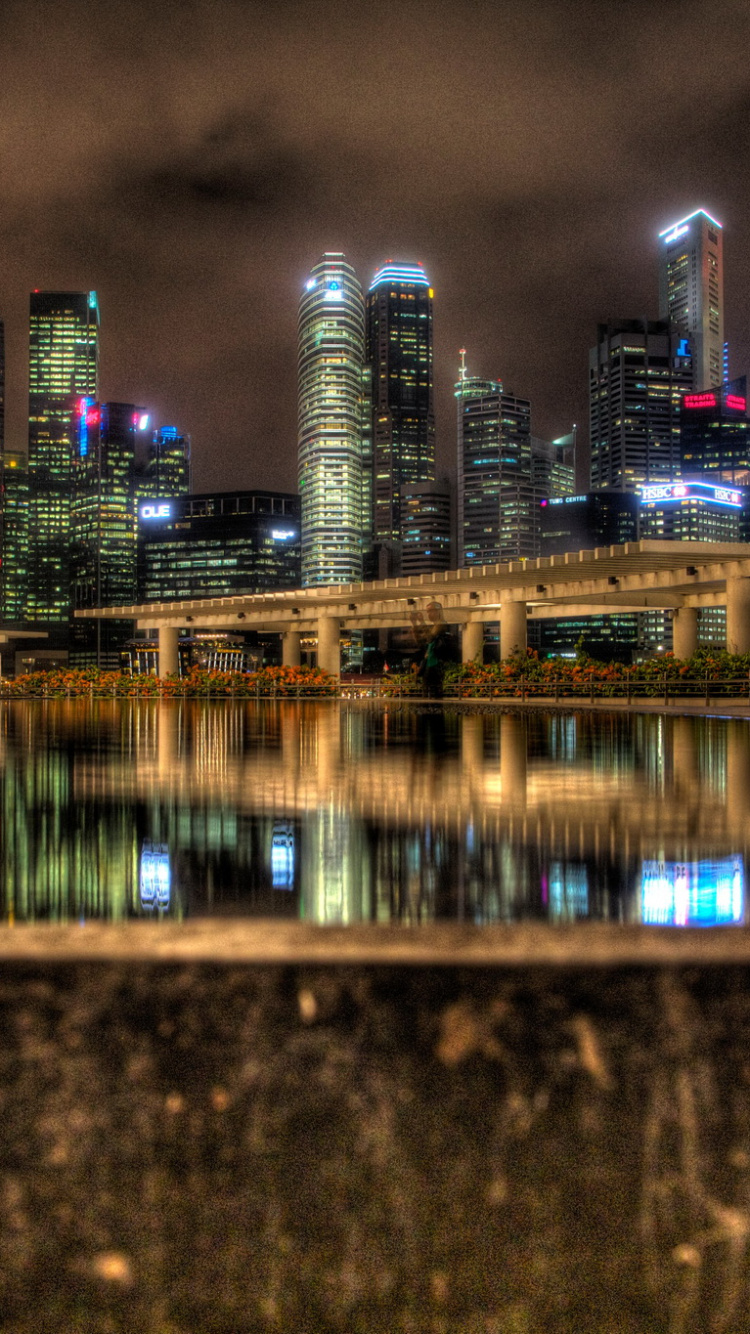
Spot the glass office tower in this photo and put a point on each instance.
(399, 353)
(103, 527)
(332, 407)
(638, 372)
(496, 519)
(691, 291)
(63, 368)
(167, 467)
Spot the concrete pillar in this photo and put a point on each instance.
(513, 759)
(168, 664)
(472, 641)
(738, 615)
(684, 631)
(329, 650)
(512, 628)
(290, 648)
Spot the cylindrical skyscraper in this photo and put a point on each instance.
(331, 352)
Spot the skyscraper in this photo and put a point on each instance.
(103, 527)
(14, 536)
(63, 368)
(715, 433)
(167, 468)
(399, 353)
(637, 373)
(331, 413)
(691, 291)
(496, 495)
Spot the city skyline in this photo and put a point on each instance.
(520, 169)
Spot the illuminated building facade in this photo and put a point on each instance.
(103, 527)
(427, 528)
(496, 518)
(638, 372)
(399, 353)
(582, 523)
(166, 470)
(692, 511)
(14, 536)
(218, 544)
(63, 368)
(332, 414)
(715, 433)
(691, 292)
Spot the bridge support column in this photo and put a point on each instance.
(290, 648)
(472, 641)
(512, 628)
(738, 615)
(329, 648)
(167, 651)
(684, 631)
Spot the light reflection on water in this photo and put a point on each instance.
(361, 812)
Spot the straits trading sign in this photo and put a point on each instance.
(678, 491)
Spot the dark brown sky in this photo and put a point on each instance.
(191, 161)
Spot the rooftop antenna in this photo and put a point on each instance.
(462, 372)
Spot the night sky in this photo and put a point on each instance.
(191, 161)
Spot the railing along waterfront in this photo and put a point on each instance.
(664, 687)
(525, 688)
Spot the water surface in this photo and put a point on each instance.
(344, 812)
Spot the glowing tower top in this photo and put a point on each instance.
(691, 291)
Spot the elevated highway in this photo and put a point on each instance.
(679, 577)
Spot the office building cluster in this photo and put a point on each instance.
(97, 510)
(668, 437)
(371, 503)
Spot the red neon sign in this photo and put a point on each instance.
(700, 400)
(734, 401)
(93, 417)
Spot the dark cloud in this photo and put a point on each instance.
(192, 160)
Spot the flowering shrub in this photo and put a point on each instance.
(528, 674)
(90, 681)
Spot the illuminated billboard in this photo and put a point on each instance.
(669, 492)
(159, 510)
(704, 893)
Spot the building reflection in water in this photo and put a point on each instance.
(362, 812)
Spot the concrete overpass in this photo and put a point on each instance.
(679, 577)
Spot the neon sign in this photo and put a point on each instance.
(670, 491)
(699, 400)
(281, 534)
(737, 402)
(84, 405)
(675, 234)
(155, 511)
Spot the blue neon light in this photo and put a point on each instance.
(83, 434)
(400, 273)
(675, 492)
(675, 226)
